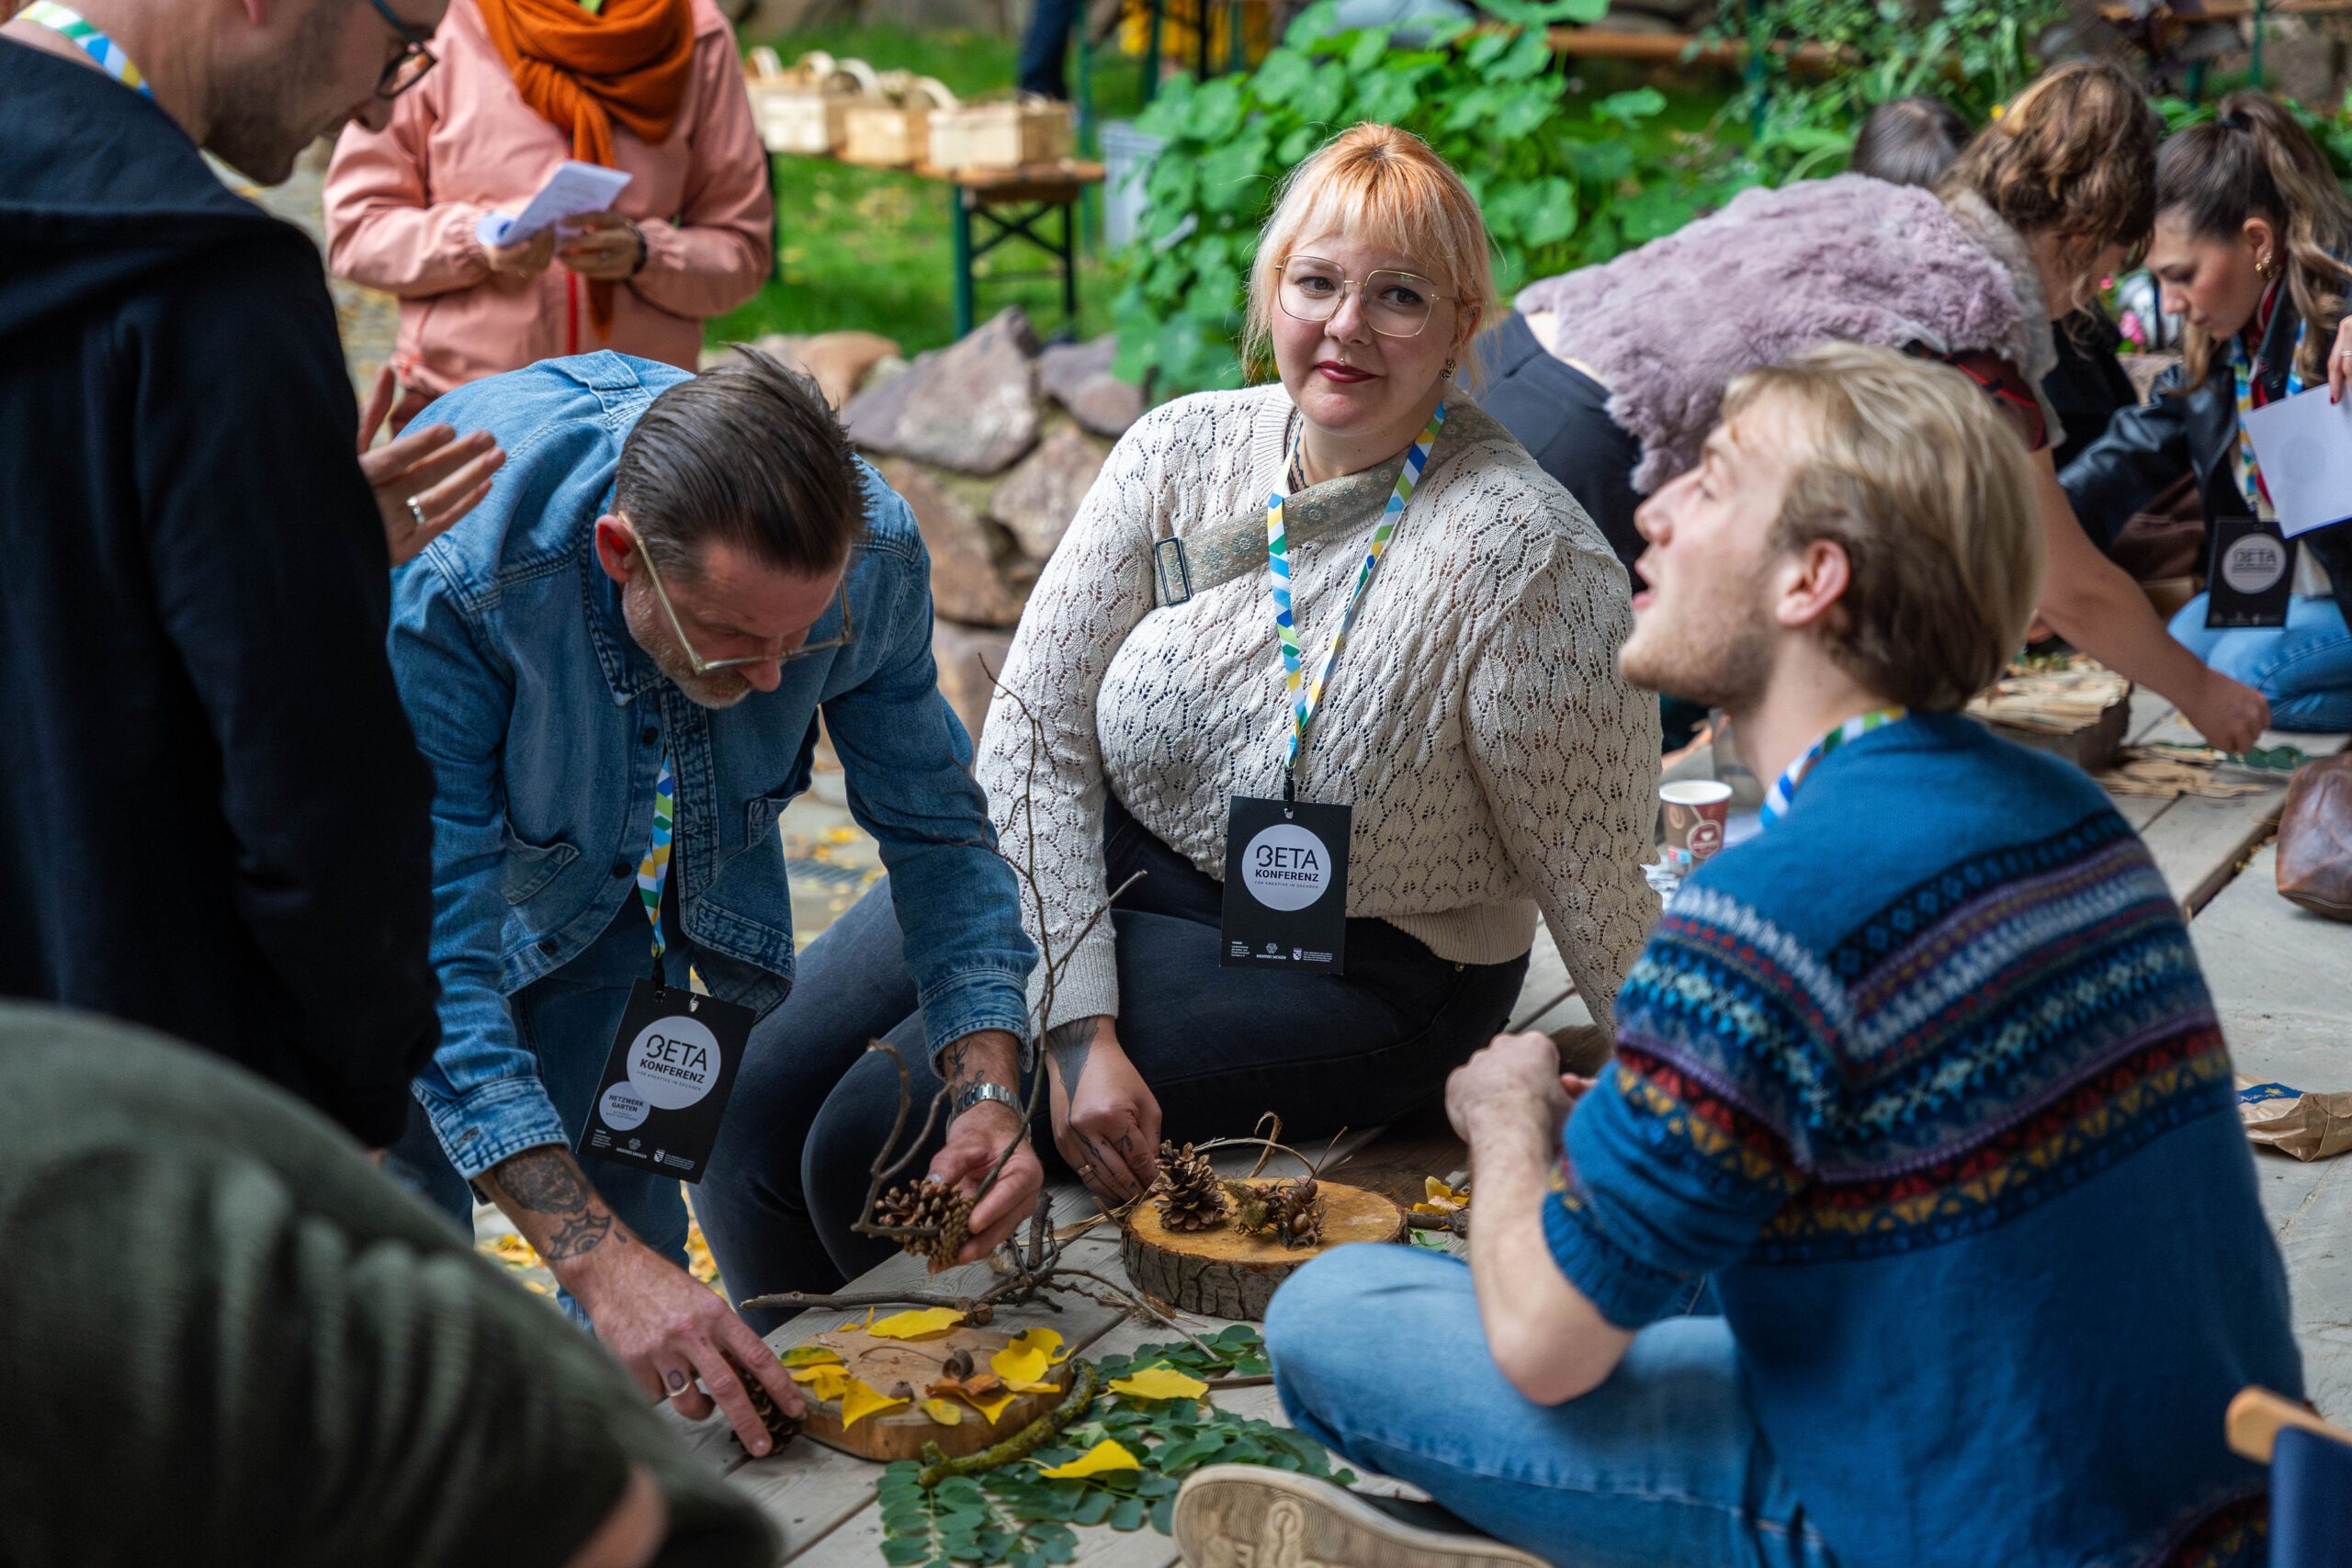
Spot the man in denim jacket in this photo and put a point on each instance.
(672, 577)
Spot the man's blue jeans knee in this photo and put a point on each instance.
(2304, 667)
(1378, 1353)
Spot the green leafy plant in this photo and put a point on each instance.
(1557, 187)
(1017, 1515)
(1814, 68)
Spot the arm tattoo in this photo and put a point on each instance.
(1069, 1044)
(550, 1181)
(951, 1065)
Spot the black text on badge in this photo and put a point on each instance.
(1285, 887)
(665, 1084)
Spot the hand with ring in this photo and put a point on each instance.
(424, 479)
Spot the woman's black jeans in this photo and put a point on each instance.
(1219, 1047)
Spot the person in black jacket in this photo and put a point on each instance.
(2251, 234)
(213, 818)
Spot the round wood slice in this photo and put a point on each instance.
(901, 1432)
(1228, 1272)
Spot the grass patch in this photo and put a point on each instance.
(869, 249)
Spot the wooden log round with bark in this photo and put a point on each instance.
(1229, 1272)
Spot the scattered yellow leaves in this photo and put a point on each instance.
(809, 1356)
(1023, 1363)
(1159, 1382)
(853, 1324)
(862, 1400)
(947, 1412)
(827, 1381)
(991, 1405)
(916, 1325)
(1441, 1199)
(1107, 1455)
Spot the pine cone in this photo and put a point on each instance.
(1191, 1195)
(782, 1428)
(924, 1207)
(1295, 1209)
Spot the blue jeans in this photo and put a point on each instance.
(566, 1022)
(1379, 1354)
(2304, 667)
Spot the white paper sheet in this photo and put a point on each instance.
(572, 190)
(2305, 445)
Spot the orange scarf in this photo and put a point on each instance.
(631, 61)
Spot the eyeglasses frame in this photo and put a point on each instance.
(702, 666)
(416, 49)
(1347, 283)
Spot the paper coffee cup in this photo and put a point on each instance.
(1695, 810)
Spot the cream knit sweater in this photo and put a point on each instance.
(1475, 721)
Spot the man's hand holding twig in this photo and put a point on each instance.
(978, 1138)
(675, 1337)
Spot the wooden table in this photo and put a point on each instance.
(2281, 978)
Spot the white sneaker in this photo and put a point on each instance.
(1248, 1516)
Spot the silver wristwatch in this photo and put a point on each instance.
(972, 1094)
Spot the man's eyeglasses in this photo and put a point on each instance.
(702, 666)
(407, 68)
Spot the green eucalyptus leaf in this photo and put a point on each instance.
(1129, 1515)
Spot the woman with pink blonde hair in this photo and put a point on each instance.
(1470, 757)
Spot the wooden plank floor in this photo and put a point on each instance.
(2282, 980)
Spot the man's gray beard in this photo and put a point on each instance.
(254, 108)
(720, 690)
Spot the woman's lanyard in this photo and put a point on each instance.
(1784, 788)
(2249, 471)
(1306, 696)
(77, 29)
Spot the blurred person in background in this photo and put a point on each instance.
(2250, 246)
(216, 816)
(1911, 142)
(651, 87)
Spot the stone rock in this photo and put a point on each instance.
(1038, 499)
(965, 583)
(970, 658)
(1078, 375)
(837, 362)
(971, 407)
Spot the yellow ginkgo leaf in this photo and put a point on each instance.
(991, 1406)
(1107, 1455)
(1159, 1382)
(917, 1325)
(862, 1400)
(810, 1356)
(852, 1325)
(1023, 1363)
(826, 1382)
(946, 1412)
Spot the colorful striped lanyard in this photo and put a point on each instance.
(1306, 696)
(1784, 788)
(654, 869)
(2249, 471)
(64, 19)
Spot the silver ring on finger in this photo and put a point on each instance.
(416, 509)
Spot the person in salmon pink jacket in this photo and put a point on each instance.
(651, 87)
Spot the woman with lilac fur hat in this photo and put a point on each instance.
(1612, 375)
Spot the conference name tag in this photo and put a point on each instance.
(1285, 887)
(665, 1085)
(2250, 575)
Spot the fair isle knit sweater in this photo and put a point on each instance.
(1495, 762)
(1927, 1079)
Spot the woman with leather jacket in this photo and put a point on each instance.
(2251, 230)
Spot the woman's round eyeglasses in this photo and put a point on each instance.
(1396, 304)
